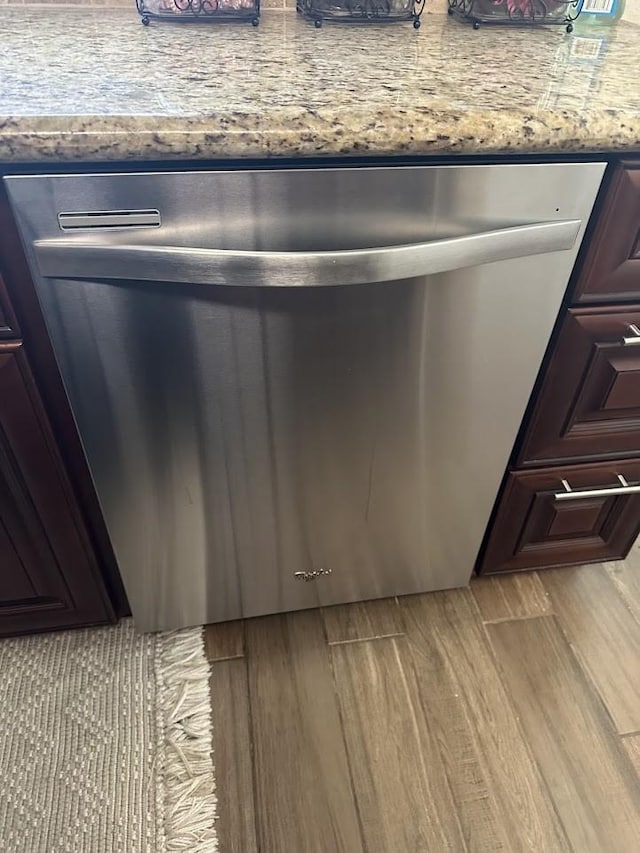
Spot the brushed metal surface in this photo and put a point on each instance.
(62, 258)
(239, 435)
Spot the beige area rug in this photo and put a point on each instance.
(105, 743)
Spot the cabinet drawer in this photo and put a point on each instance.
(8, 326)
(589, 404)
(611, 270)
(534, 528)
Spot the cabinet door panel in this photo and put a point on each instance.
(29, 569)
(8, 326)
(589, 403)
(47, 579)
(533, 529)
(15, 584)
(611, 269)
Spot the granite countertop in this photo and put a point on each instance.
(95, 85)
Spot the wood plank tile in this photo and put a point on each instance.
(363, 620)
(625, 574)
(399, 781)
(632, 744)
(583, 762)
(224, 640)
(501, 799)
(605, 635)
(513, 596)
(304, 799)
(232, 757)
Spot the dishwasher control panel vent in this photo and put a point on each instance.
(89, 220)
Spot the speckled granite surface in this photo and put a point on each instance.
(95, 85)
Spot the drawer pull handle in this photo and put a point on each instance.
(606, 492)
(632, 340)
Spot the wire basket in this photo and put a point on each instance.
(185, 11)
(517, 12)
(362, 11)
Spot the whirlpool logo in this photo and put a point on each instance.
(312, 575)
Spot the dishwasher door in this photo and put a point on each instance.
(299, 387)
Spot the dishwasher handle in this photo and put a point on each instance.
(72, 258)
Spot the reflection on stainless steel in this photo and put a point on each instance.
(241, 435)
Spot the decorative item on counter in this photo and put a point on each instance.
(184, 11)
(362, 11)
(517, 12)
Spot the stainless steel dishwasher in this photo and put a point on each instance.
(299, 387)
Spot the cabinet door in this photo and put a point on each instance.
(611, 269)
(589, 404)
(8, 327)
(535, 529)
(47, 577)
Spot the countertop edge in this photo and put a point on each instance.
(303, 133)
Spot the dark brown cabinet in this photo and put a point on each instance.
(536, 529)
(553, 511)
(589, 406)
(48, 577)
(611, 271)
(51, 573)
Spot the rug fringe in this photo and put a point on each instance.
(185, 707)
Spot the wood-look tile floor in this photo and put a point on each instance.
(504, 717)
